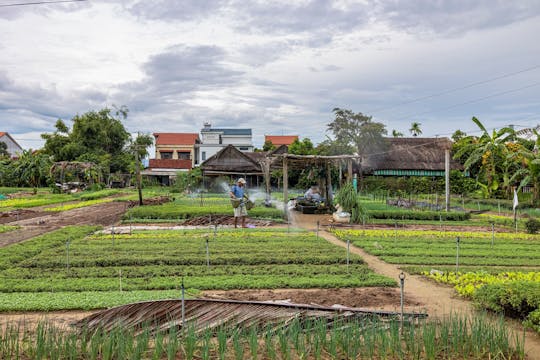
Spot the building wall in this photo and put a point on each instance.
(210, 137)
(175, 149)
(12, 147)
(236, 140)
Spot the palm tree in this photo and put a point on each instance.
(415, 129)
(396, 133)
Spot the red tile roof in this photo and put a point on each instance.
(176, 138)
(2, 133)
(278, 140)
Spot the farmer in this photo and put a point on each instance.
(237, 193)
(313, 194)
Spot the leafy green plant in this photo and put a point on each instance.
(532, 225)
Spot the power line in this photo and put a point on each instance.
(475, 100)
(445, 92)
(40, 3)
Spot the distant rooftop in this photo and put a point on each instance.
(176, 138)
(278, 140)
(208, 128)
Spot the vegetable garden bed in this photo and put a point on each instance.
(160, 260)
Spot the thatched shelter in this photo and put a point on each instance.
(410, 156)
(87, 172)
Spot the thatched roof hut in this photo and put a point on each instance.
(411, 156)
(231, 161)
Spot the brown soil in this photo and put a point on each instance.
(99, 214)
(379, 298)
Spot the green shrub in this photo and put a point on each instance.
(533, 320)
(516, 299)
(532, 225)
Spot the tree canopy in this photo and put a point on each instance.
(98, 137)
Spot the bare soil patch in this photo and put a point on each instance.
(100, 214)
(381, 298)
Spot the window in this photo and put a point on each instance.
(166, 154)
(243, 148)
(203, 155)
(184, 155)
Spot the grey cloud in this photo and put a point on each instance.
(185, 68)
(14, 12)
(175, 10)
(452, 17)
(285, 17)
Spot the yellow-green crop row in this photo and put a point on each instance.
(467, 284)
(78, 205)
(6, 228)
(391, 233)
(26, 202)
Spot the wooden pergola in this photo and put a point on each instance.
(287, 161)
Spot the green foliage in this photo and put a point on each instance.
(533, 320)
(532, 225)
(350, 202)
(3, 150)
(158, 260)
(454, 337)
(419, 215)
(174, 211)
(31, 169)
(304, 147)
(98, 137)
(516, 299)
(268, 146)
(358, 130)
(188, 181)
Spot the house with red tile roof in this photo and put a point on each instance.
(13, 148)
(278, 140)
(174, 152)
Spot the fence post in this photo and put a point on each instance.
(402, 291)
(457, 256)
(183, 306)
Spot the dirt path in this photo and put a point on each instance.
(439, 300)
(99, 214)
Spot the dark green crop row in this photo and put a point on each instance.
(13, 254)
(205, 282)
(149, 271)
(449, 260)
(175, 211)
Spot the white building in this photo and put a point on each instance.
(213, 140)
(13, 148)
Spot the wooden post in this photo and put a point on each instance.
(329, 183)
(285, 182)
(447, 177)
(349, 170)
(266, 173)
(138, 175)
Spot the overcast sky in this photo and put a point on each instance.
(278, 67)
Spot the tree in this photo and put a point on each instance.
(3, 150)
(415, 129)
(304, 147)
(268, 146)
(360, 131)
(396, 133)
(489, 152)
(98, 137)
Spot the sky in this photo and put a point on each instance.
(278, 67)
